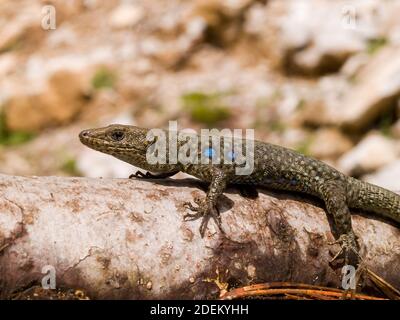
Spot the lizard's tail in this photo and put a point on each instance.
(370, 197)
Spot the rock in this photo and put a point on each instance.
(372, 153)
(172, 51)
(126, 16)
(169, 53)
(58, 104)
(91, 4)
(65, 36)
(319, 36)
(256, 19)
(329, 143)
(354, 64)
(194, 29)
(376, 90)
(224, 19)
(7, 63)
(322, 59)
(395, 130)
(212, 10)
(355, 104)
(235, 7)
(387, 177)
(324, 100)
(291, 138)
(12, 31)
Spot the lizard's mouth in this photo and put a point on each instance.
(103, 145)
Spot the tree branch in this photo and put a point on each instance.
(121, 238)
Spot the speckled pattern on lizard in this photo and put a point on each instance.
(275, 167)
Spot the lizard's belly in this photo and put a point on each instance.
(280, 182)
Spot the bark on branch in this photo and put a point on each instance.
(120, 238)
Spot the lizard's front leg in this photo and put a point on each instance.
(207, 207)
(149, 175)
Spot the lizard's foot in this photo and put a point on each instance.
(348, 248)
(140, 175)
(149, 175)
(199, 210)
(202, 210)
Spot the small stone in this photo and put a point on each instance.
(7, 63)
(16, 28)
(373, 152)
(354, 64)
(149, 285)
(59, 103)
(379, 84)
(251, 271)
(314, 38)
(329, 143)
(395, 130)
(387, 177)
(256, 19)
(235, 7)
(126, 16)
(148, 208)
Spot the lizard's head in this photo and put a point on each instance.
(128, 143)
(117, 139)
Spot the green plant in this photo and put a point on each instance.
(13, 45)
(103, 78)
(69, 167)
(304, 146)
(375, 44)
(385, 123)
(301, 104)
(276, 126)
(207, 109)
(8, 137)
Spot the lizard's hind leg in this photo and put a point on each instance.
(335, 198)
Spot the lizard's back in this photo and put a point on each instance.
(281, 168)
(277, 167)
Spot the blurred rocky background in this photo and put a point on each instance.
(318, 76)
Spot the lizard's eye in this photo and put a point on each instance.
(117, 135)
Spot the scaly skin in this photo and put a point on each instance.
(274, 167)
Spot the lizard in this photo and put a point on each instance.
(275, 167)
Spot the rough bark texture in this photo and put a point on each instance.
(120, 238)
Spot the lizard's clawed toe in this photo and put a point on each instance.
(190, 206)
(137, 174)
(191, 216)
(348, 248)
(202, 210)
